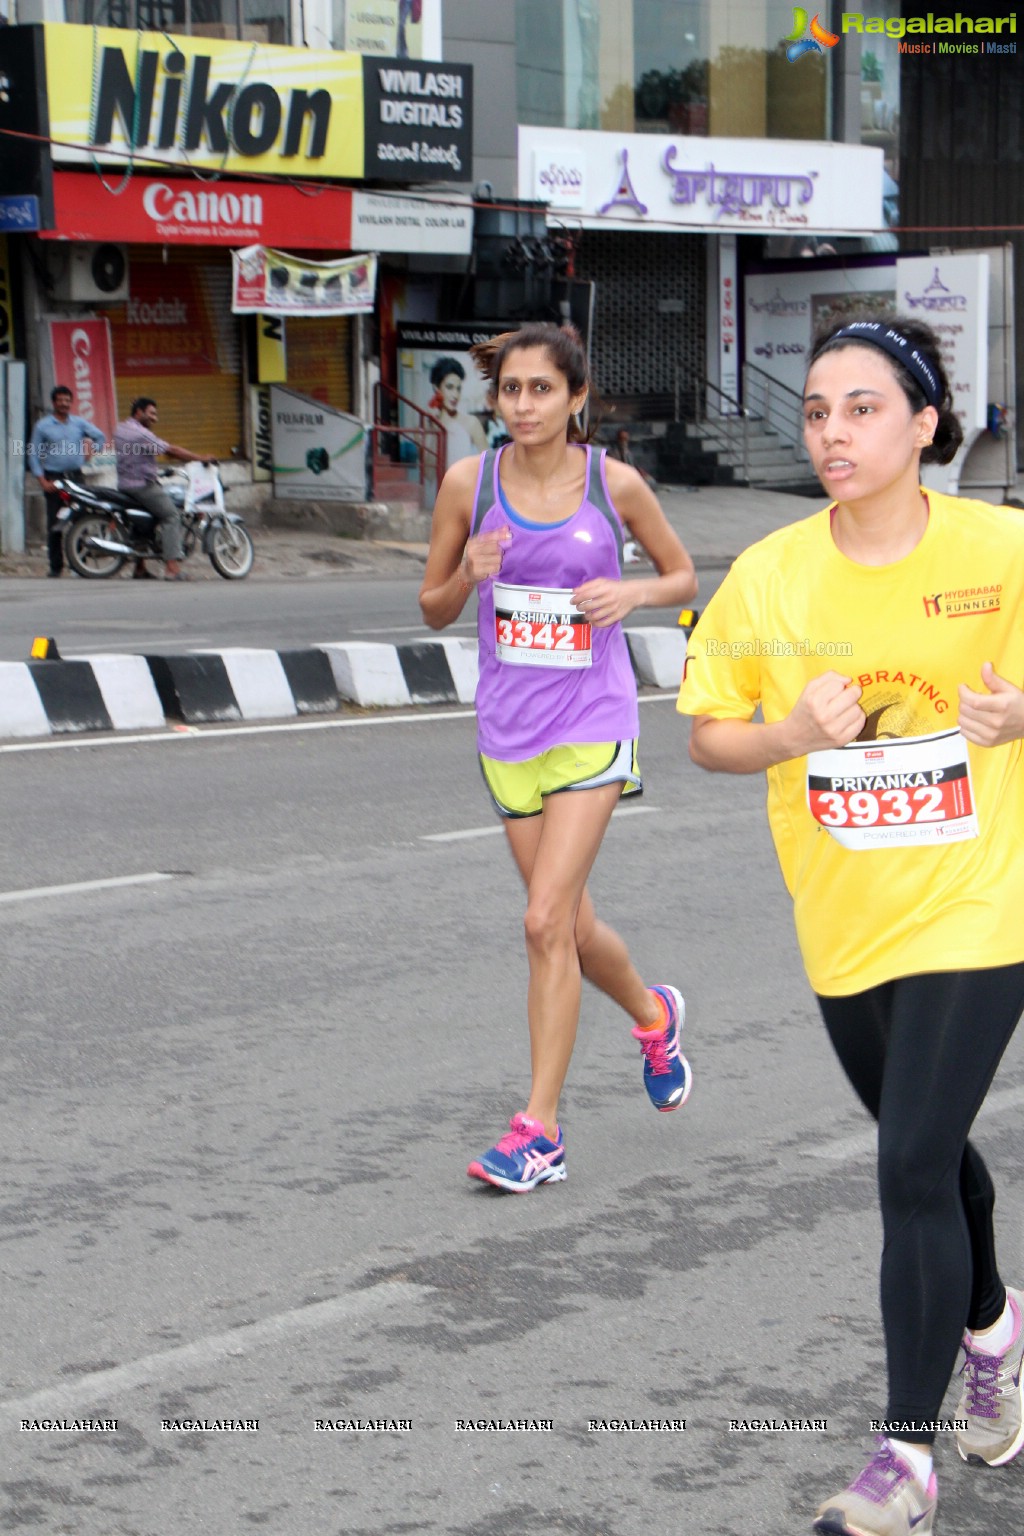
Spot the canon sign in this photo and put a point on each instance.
(163, 204)
(81, 351)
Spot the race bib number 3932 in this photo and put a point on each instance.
(887, 794)
(539, 627)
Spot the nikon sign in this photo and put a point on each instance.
(161, 100)
(194, 101)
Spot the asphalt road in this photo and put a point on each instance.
(308, 587)
(239, 1102)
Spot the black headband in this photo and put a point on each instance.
(876, 334)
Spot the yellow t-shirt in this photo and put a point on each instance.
(792, 607)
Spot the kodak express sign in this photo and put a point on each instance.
(203, 102)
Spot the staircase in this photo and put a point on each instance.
(744, 451)
(758, 443)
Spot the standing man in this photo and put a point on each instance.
(137, 447)
(60, 445)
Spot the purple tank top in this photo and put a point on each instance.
(552, 700)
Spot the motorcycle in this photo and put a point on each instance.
(104, 529)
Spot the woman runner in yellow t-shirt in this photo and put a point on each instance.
(896, 802)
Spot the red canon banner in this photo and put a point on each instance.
(175, 210)
(82, 359)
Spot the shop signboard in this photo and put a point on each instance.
(19, 213)
(418, 121)
(386, 221)
(161, 210)
(319, 453)
(230, 106)
(659, 182)
(156, 101)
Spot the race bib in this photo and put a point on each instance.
(915, 789)
(539, 627)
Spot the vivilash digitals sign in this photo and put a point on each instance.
(236, 106)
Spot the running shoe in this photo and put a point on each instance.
(885, 1500)
(992, 1400)
(523, 1158)
(667, 1075)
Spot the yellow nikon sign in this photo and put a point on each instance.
(195, 101)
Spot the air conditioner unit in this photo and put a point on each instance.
(90, 274)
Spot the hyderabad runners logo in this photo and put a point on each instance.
(964, 603)
(818, 41)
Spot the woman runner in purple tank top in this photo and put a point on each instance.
(537, 528)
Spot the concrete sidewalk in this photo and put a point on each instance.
(714, 523)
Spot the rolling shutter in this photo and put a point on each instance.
(318, 353)
(177, 341)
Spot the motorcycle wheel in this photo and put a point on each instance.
(231, 551)
(85, 560)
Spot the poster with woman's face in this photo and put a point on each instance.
(437, 374)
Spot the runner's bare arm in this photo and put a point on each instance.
(827, 714)
(455, 562)
(607, 602)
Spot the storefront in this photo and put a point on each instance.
(166, 243)
(661, 218)
(168, 152)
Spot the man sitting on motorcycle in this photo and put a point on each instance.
(137, 447)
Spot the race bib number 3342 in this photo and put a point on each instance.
(539, 627)
(885, 794)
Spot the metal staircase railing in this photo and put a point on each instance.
(402, 455)
(778, 406)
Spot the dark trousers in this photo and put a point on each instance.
(921, 1053)
(55, 530)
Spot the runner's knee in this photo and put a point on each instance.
(548, 925)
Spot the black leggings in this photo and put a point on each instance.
(921, 1052)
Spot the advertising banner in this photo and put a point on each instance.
(83, 359)
(319, 453)
(154, 210)
(436, 372)
(168, 325)
(950, 293)
(418, 121)
(783, 309)
(200, 102)
(275, 283)
(271, 350)
(392, 28)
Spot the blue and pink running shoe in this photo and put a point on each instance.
(522, 1159)
(667, 1075)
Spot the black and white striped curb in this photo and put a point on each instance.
(133, 693)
